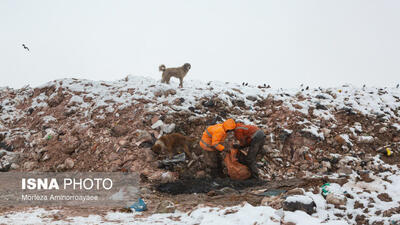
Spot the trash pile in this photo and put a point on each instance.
(84, 125)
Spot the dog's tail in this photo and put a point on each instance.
(162, 67)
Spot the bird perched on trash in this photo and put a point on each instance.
(23, 45)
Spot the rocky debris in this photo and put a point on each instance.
(272, 201)
(365, 139)
(320, 106)
(69, 163)
(5, 146)
(7, 159)
(106, 126)
(168, 128)
(392, 211)
(251, 98)
(209, 103)
(299, 202)
(165, 93)
(336, 199)
(226, 190)
(157, 124)
(200, 174)
(161, 176)
(70, 144)
(365, 176)
(164, 128)
(343, 139)
(175, 159)
(326, 164)
(4, 166)
(29, 166)
(118, 131)
(81, 125)
(384, 197)
(144, 139)
(149, 155)
(165, 206)
(345, 170)
(296, 191)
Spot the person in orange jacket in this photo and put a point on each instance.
(252, 137)
(211, 141)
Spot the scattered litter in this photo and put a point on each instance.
(175, 159)
(271, 192)
(139, 206)
(388, 152)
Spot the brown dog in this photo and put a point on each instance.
(178, 72)
(173, 144)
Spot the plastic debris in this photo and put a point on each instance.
(139, 206)
(332, 188)
(388, 152)
(324, 189)
(175, 159)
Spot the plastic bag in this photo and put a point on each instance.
(139, 206)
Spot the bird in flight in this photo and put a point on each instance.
(23, 45)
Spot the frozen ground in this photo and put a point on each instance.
(363, 196)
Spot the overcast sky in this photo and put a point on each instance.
(282, 43)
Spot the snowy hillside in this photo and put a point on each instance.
(339, 135)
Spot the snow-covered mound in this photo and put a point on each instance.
(343, 132)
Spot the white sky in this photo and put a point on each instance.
(282, 43)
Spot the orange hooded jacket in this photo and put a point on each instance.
(214, 135)
(244, 133)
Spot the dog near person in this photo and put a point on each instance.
(173, 144)
(178, 72)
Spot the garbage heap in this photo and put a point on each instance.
(84, 125)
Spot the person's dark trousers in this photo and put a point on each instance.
(257, 143)
(213, 161)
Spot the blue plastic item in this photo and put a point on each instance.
(139, 206)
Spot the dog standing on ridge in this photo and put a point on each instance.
(178, 72)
